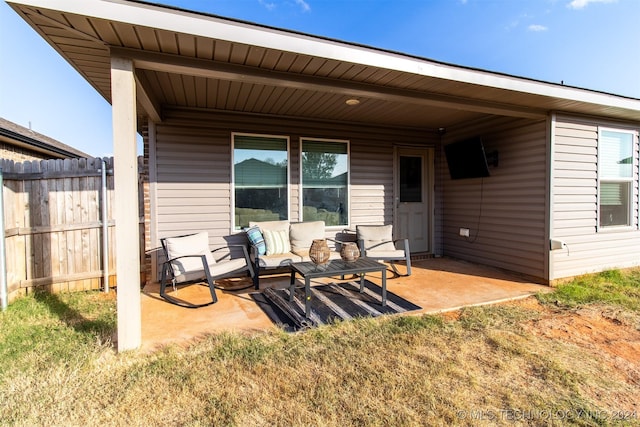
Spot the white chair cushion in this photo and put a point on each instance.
(397, 254)
(195, 244)
(376, 237)
(280, 260)
(227, 266)
(217, 269)
(302, 234)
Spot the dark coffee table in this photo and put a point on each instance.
(308, 270)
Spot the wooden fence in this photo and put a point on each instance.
(53, 224)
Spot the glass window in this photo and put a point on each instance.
(615, 171)
(325, 181)
(410, 179)
(260, 172)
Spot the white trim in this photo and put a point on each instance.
(431, 192)
(427, 157)
(630, 180)
(550, 186)
(197, 24)
(300, 194)
(153, 197)
(232, 188)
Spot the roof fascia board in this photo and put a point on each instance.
(23, 141)
(156, 16)
(56, 47)
(209, 69)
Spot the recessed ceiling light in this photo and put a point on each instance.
(352, 101)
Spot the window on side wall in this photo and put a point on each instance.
(615, 174)
(260, 178)
(325, 181)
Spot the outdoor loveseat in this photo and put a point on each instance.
(274, 245)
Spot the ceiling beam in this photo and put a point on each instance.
(147, 100)
(216, 70)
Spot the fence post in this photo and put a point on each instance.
(3, 265)
(105, 229)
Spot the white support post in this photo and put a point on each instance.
(123, 101)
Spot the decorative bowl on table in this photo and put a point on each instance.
(349, 252)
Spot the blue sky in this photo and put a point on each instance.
(593, 44)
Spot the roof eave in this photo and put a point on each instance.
(200, 25)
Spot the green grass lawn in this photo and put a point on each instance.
(485, 367)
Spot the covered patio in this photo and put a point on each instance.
(436, 285)
(205, 91)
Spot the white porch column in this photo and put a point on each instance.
(123, 101)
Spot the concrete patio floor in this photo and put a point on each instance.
(436, 285)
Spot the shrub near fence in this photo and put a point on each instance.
(53, 224)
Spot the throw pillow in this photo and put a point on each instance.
(256, 239)
(277, 242)
(302, 234)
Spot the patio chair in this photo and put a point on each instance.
(189, 259)
(376, 242)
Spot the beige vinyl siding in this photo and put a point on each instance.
(193, 167)
(371, 184)
(192, 186)
(505, 212)
(575, 204)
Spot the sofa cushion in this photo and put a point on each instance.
(277, 242)
(304, 254)
(270, 225)
(279, 260)
(302, 234)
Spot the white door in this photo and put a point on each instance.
(413, 195)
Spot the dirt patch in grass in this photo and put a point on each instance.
(596, 329)
(602, 332)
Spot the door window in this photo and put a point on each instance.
(410, 179)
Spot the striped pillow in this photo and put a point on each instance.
(277, 241)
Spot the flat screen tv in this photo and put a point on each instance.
(467, 159)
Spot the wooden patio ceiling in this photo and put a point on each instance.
(203, 70)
